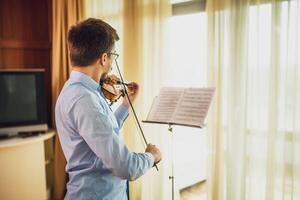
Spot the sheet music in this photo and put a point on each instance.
(182, 106)
(164, 104)
(193, 106)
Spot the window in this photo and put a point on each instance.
(187, 54)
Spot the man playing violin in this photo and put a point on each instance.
(99, 164)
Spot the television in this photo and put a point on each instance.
(22, 101)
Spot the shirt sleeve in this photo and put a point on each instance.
(95, 128)
(121, 114)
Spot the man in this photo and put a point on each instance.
(98, 162)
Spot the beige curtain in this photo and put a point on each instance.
(142, 29)
(144, 61)
(64, 14)
(253, 61)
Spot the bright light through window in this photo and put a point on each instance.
(188, 59)
(187, 50)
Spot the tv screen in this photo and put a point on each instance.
(22, 99)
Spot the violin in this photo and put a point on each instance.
(112, 88)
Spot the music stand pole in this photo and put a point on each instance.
(170, 129)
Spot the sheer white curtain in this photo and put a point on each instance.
(254, 126)
(141, 27)
(112, 13)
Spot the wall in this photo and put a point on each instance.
(25, 37)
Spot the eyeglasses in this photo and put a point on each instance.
(115, 55)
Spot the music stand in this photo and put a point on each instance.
(180, 106)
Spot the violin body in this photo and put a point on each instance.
(110, 89)
(111, 93)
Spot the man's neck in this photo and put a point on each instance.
(90, 71)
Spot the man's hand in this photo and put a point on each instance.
(155, 152)
(133, 89)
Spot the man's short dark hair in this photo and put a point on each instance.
(89, 39)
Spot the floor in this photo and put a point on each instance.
(195, 192)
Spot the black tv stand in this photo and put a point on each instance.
(29, 133)
(4, 136)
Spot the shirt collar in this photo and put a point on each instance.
(84, 79)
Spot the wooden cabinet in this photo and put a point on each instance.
(26, 170)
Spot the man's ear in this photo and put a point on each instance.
(103, 59)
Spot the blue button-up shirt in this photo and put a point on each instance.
(98, 161)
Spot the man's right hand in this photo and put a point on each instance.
(155, 152)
